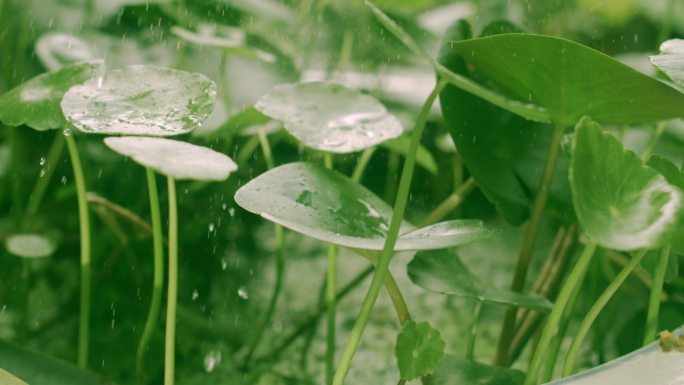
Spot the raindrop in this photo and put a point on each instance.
(42, 172)
(195, 295)
(231, 212)
(212, 360)
(242, 292)
(66, 132)
(42, 161)
(64, 179)
(224, 264)
(212, 227)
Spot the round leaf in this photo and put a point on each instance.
(620, 203)
(230, 40)
(141, 100)
(419, 350)
(671, 60)
(329, 116)
(173, 158)
(569, 79)
(30, 245)
(35, 103)
(442, 271)
(56, 49)
(328, 206)
(455, 370)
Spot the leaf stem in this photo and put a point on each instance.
(331, 301)
(84, 224)
(656, 291)
(450, 203)
(648, 150)
(172, 295)
(574, 281)
(470, 349)
(529, 240)
(595, 310)
(360, 168)
(158, 278)
(392, 234)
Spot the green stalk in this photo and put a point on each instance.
(648, 150)
(330, 300)
(172, 296)
(449, 204)
(158, 279)
(84, 224)
(574, 280)
(54, 154)
(392, 235)
(654, 300)
(470, 349)
(400, 307)
(595, 310)
(360, 168)
(527, 248)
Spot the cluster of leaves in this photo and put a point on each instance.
(538, 130)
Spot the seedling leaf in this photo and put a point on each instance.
(330, 117)
(419, 350)
(141, 100)
(620, 203)
(35, 103)
(30, 245)
(179, 160)
(442, 271)
(328, 206)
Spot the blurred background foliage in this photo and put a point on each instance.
(227, 265)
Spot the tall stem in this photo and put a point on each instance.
(331, 301)
(172, 296)
(595, 310)
(158, 279)
(360, 168)
(574, 279)
(54, 154)
(449, 204)
(470, 349)
(84, 224)
(656, 291)
(527, 248)
(392, 235)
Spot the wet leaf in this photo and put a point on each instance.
(671, 60)
(505, 153)
(35, 103)
(454, 370)
(30, 245)
(6, 378)
(570, 80)
(419, 350)
(36, 368)
(141, 100)
(56, 49)
(328, 206)
(177, 159)
(442, 271)
(675, 177)
(230, 40)
(330, 117)
(620, 203)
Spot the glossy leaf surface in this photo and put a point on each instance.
(35, 103)
(177, 159)
(330, 117)
(455, 370)
(30, 245)
(141, 100)
(419, 350)
(569, 79)
(620, 203)
(671, 60)
(328, 206)
(442, 271)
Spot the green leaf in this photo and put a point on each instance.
(526, 110)
(671, 60)
(141, 100)
(419, 350)
(6, 378)
(424, 158)
(328, 206)
(38, 369)
(173, 158)
(35, 103)
(455, 370)
(230, 40)
(329, 116)
(570, 80)
(30, 245)
(620, 203)
(442, 271)
(56, 50)
(503, 152)
(675, 177)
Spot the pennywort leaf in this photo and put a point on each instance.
(419, 350)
